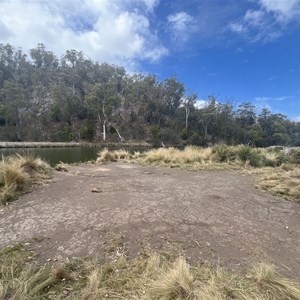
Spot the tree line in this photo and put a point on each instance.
(43, 98)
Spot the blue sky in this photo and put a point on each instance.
(236, 50)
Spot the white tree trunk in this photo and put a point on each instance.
(120, 137)
(104, 132)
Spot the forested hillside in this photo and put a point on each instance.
(44, 98)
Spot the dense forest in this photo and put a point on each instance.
(43, 98)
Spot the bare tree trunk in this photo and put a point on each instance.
(104, 131)
(187, 113)
(120, 137)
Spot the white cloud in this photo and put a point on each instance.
(181, 24)
(254, 18)
(266, 99)
(201, 103)
(151, 4)
(105, 30)
(237, 27)
(284, 10)
(268, 22)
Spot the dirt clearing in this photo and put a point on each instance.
(211, 216)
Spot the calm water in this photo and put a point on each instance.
(66, 155)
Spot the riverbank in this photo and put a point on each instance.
(68, 144)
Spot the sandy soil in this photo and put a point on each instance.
(213, 216)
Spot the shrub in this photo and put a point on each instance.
(281, 159)
(295, 156)
(169, 135)
(87, 132)
(256, 159)
(154, 130)
(244, 153)
(223, 153)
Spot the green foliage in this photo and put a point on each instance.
(224, 153)
(55, 113)
(39, 95)
(184, 134)
(169, 136)
(87, 131)
(244, 153)
(154, 130)
(62, 133)
(253, 156)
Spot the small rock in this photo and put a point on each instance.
(95, 190)
(49, 259)
(65, 292)
(286, 227)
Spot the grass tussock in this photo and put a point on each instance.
(18, 173)
(150, 276)
(272, 284)
(192, 157)
(105, 155)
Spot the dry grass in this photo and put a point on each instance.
(150, 276)
(174, 283)
(283, 181)
(271, 285)
(18, 173)
(105, 155)
(61, 167)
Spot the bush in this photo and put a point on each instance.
(154, 130)
(223, 153)
(87, 132)
(281, 159)
(244, 153)
(256, 159)
(169, 136)
(295, 157)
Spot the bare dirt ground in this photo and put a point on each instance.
(212, 216)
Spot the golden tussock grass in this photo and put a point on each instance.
(149, 276)
(18, 173)
(105, 155)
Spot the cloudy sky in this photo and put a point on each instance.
(236, 50)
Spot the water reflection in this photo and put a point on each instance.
(64, 154)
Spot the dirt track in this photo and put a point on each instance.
(212, 215)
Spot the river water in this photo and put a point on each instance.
(65, 154)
